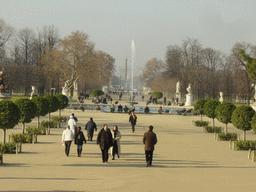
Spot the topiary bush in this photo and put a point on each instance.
(245, 145)
(97, 92)
(21, 138)
(8, 147)
(227, 136)
(210, 129)
(52, 124)
(201, 123)
(242, 117)
(36, 131)
(209, 109)
(59, 119)
(157, 94)
(224, 112)
(199, 107)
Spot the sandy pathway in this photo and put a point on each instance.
(185, 159)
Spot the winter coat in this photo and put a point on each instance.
(67, 135)
(79, 138)
(105, 139)
(90, 126)
(72, 124)
(118, 137)
(149, 139)
(133, 120)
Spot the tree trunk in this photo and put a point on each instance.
(4, 136)
(244, 132)
(213, 125)
(23, 128)
(226, 128)
(59, 112)
(37, 121)
(201, 117)
(48, 132)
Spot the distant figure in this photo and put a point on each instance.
(149, 139)
(160, 110)
(142, 97)
(90, 127)
(169, 103)
(164, 100)
(72, 123)
(116, 149)
(67, 137)
(120, 108)
(79, 140)
(150, 99)
(133, 120)
(126, 109)
(105, 140)
(74, 117)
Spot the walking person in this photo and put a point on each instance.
(79, 140)
(133, 120)
(116, 149)
(72, 123)
(67, 137)
(105, 140)
(149, 139)
(90, 127)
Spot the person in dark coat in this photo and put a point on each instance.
(105, 140)
(149, 139)
(133, 120)
(79, 140)
(90, 127)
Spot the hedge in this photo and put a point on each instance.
(227, 136)
(210, 129)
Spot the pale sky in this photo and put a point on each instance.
(152, 24)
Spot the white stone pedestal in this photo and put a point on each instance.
(189, 100)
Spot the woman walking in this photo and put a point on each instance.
(116, 149)
(79, 140)
(133, 120)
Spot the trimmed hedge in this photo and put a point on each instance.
(21, 138)
(227, 136)
(8, 147)
(201, 123)
(53, 124)
(210, 129)
(35, 130)
(245, 145)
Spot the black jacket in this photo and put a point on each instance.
(90, 126)
(105, 139)
(79, 138)
(133, 120)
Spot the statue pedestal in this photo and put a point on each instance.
(254, 106)
(65, 92)
(75, 94)
(178, 95)
(189, 100)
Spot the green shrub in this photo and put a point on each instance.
(35, 130)
(157, 94)
(19, 138)
(209, 109)
(126, 109)
(227, 136)
(201, 123)
(253, 123)
(245, 145)
(97, 92)
(112, 109)
(210, 129)
(53, 124)
(59, 119)
(199, 107)
(8, 147)
(159, 102)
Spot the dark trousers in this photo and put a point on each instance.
(90, 135)
(149, 156)
(104, 155)
(67, 147)
(133, 127)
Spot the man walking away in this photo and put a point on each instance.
(105, 140)
(67, 137)
(149, 139)
(90, 127)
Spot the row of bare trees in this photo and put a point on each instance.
(46, 60)
(208, 70)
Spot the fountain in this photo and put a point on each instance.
(3, 94)
(132, 101)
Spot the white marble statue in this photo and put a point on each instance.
(178, 87)
(221, 97)
(189, 89)
(33, 92)
(65, 89)
(254, 85)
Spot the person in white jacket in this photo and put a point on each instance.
(116, 149)
(72, 123)
(67, 137)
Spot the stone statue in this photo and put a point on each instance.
(178, 87)
(189, 90)
(65, 89)
(255, 92)
(33, 92)
(221, 97)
